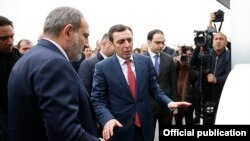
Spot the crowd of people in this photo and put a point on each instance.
(60, 89)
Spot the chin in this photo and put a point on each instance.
(76, 57)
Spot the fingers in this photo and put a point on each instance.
(175, 111)
(118, 124)
(183, 104)
(107, 132)
(174, 105)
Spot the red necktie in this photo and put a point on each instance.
(132, 87)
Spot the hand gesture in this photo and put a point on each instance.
(173, 106)
(211, 78)
(109, 127)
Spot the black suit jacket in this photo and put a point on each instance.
(86, 71)
(167, 78)
(47, 100)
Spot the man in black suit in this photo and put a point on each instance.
(166, 78)
(86, 69)
(8, 57)
(47, 100)
(169, 51)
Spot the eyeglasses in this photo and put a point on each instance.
(4, 38)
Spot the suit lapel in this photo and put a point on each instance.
(162, 64)
(116, 68)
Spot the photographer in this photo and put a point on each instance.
(214, 69)
(217, 16)
(186, 80)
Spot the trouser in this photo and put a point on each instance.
(3, 127)
(138, 136)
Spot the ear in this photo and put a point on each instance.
(68, 31)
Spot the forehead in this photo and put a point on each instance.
(122, 35)
(24, 43)
(158, 36)
(88, 49)
(220, 35)
(6, 30)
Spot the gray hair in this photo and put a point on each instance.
(60, 17)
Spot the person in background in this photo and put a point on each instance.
(8, 57)
(212, 28)
(87, 52)
(46, 90)
(122, 84)
(87, 67)
(186, 86)
(144, 48)
(215, 69)
(166, 76)
(137, 50)
(170, 51)
(24, 45)
(98, 45)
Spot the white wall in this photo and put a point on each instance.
(234, 103)
(240, 10)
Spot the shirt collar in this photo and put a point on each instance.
(122, 61)
(103, 55)
(59, 47)
(152, 54)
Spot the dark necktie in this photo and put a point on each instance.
(157, 65)
(132, 88)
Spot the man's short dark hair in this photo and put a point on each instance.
(117, 28)
(5, 21)
(152, 33)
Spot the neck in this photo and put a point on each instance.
(218, 52)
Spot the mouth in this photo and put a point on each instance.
(6, 49)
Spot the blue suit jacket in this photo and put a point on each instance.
(47, 100)
(112, 99)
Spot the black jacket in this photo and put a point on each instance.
(7, 61)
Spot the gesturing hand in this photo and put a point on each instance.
(109, 127)
(175, 105)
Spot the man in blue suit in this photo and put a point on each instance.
(122, 105)
(47, 101)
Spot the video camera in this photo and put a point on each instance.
(219, 16)
(203, 38)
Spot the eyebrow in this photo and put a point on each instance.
(158, 42)
(6, 37)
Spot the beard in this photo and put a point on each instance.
(6, 49)
(75, 49)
